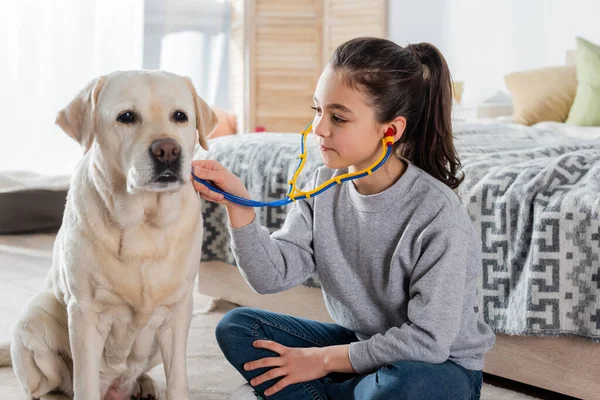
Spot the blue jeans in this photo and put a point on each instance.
(401, 380)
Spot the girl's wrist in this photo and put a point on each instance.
(240, 216)
(337, 359)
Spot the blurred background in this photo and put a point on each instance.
(51, 49)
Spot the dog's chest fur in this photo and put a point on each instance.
(154, 255)
(132, 271)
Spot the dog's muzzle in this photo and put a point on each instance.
(166, 157)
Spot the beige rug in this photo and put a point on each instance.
(24, 261)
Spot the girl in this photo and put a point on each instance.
(395, 251)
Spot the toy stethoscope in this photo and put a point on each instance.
(293, 193)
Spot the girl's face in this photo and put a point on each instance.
(344, 125)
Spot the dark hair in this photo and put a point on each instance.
(413, 82)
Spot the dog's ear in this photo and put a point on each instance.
(78, 117)
(206, 119)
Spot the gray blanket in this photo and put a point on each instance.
(533, 194)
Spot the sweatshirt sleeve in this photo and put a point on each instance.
(436, 295)
(272, 263)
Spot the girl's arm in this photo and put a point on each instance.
(269, 263)
(272, 263)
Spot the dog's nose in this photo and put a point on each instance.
(165, 150)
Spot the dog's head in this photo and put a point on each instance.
(140, 125)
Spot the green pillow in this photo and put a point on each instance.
(585, 110)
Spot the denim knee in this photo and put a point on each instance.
(236, 324)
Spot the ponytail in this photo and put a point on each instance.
(413, 82)
(433, 150)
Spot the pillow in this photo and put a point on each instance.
(226, 125)
(543, 94)
(586, 107)
(30, 202)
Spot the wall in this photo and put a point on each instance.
(483, 40)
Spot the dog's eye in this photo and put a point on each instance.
(179, 116)
(126, 118)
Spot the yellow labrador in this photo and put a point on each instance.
(118, 298)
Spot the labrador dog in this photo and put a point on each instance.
(118, 298)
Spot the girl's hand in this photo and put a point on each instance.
(294, 364)
(213, 171)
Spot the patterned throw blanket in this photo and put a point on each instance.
(533, 194)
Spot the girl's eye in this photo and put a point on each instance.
(338, 119)
(335, 118)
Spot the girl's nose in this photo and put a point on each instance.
(320, 128)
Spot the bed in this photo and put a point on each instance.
(533, 194)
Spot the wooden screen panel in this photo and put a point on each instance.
(287, 63)
(346, 19)
(279, 48)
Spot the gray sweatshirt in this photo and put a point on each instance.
(399, 268)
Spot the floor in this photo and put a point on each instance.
(24, 261)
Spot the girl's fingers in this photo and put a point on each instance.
(206, 192)
(270, 345)
(224, 202)
(203, 197)
(214, 196)
(267, 376)
(215, 165)
(208, 164)
(282, 384)
(209, 174)
(203, 189)
(263, 363)
(198, 187)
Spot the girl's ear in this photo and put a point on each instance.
(399, 125)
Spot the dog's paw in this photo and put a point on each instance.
(145, 389)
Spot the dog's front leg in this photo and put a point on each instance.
(86, 347)
(172, 339)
